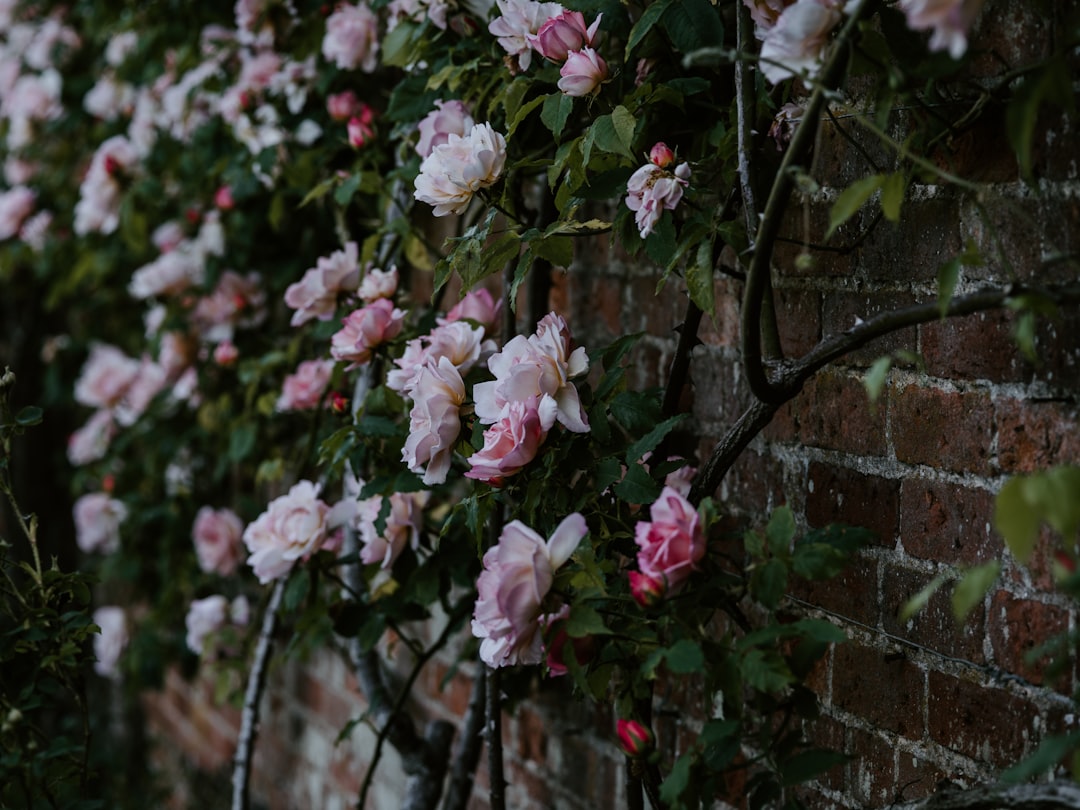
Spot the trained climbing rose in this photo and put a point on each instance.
(796, 43)
(217, 535)
(434, 422)
(670, 545)
(456, 170)
(293, 526)
(316, 294)
(652, 189)
(518, 573)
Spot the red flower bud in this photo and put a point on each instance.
(112, 166)
(108, 483)
(339, 403)
(646, 590)
(661, 155)
(223, 199)
(635, 739)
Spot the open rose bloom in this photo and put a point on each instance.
(217, 535)
(671, 545)
(949, 20)
(457, 169)
(518, 573)
(796, 42)
(651, 190)
(292, 527)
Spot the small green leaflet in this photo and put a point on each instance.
(972, 587)
(851, 199)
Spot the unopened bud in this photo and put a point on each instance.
(646, 590)
(635, 739)
(661, 155)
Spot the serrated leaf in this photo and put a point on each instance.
(585, 621)
(780, 530)
(699, 279)
(523, 112)
(677, 780)
(649, 442)
(556, 249)
(765, 670)
(637, 486)
(660, 244)
(892, 195)
(396, 46)
(693, 24)
(919, 600)
(875, 377)
(1057, 494)
(972, 587)
(556, 110)
(685, 657)
(768, 583)
(623, 121)
(344, 193)
(851, 200)
(1015, 519)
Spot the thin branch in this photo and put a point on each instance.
(794, 376)
(493, 733)
(256, 683)
(758, 278)
(470, 743)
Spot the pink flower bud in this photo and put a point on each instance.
(661, 155)
(223, 199)
(343, 106)
(562, 34)
(635, 739)
(225, 353)
(646, 590)
(359, 128)
(339, 403)
(582, 73)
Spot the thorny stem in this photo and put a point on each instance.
(471, 741)
(256, 683)
(758, 277)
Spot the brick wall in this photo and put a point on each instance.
(914, 703)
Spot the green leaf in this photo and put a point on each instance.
(781, 530)
(1049, 754)
(851, 200)
(1056, 494)
(765, 670)
(805, 765)
(685, 657)
(605, 135)
(720, 743)
(397, 45)
(623, 121)
(241, 441)
(557, 107)
(699, 279)
(585, 621)
(768, 583)
(892, 195)
(296, 590)
(493, 258)
(920, 600)
(28, 416)
(875, 377)
(645, 24)
(346, 190)
(637, 486)
(678, 779)
(948, 275)
(1015, 519)
(973, 586)
(1051, 83)
(693, 24)
(660, 244)
(523, 112)
(649, 442)
(558, 250)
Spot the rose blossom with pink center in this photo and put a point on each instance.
(797, 41)
(293, 526)
(343, 106)
(217, 535)
(513, 441)
(91, 441)
(105, 377)
(519, 20)
(562, 34)
(315, 295)
(303, 389)
(950, 21)
(518, 573)
(364, 330)
(378, 284)
(403, 524)
(652, 190)
(97, 522)
(352, 38)
(448, 118)
(15, 206)
(460, 342)
(456, 170)
(582, 73)
(672, 543)
(434, 422)
(476, 305)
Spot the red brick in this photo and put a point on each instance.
(1034, 435)
(831, 735)
(842, 310)
(1002, 230)
(888, 691)
(934, 626)
(798, 320)
(723, 329)
(532, 736)
(852, 593)
(917, 777)
(976, 347)
(912, 250)
(951, 430)
(833, 412)
(947, 522)
(873, 769)
(806, 223)
(719, 399)
(1017, 627)
(839, 495)
(987, 724)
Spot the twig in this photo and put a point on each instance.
(493, 733)
(470, 742)
(256, 683)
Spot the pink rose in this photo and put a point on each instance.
(582, 73)
(109, 644)
(98, 209)
(661, 155)
(477, 305)
(223, 198)
(456, 170)
(293, 526)
(15, 206)
(434, 422)
(635, 739)
(795, 44)
(672, 543)
(315, 295)
(217, 535)
(518, 573)
(378, 284)
(359, 130)
(449, 118)
(365, 329)
(204, 618)
(105, 377)
(403, 524)
(302, 390)
(460, 342)
(950, 20)
(343, 106)
(226, 353)
(518, 20)
(562, 34)
(97, 522)
(91, 441)
(765, 13)
(236, 302)
(650, 190)
(150, 380)
(532, 368)
(513, 441)
(352, 38)
(646, 590)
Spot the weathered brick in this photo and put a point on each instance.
(916, 777)
(1034, 435)
(798, 320)
(981, 722)
(1002, 229)
(888, 691)
(833, 412)
(842, 310)
(951, 430)
(935, 625)
(853, 593)
(947, 522)
(839, 495)
(873, 769)
(532, 736)
(802, 229)
(1019, 626)
(723, 328)
(976, 347)
(911, 250)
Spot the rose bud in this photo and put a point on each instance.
(563, 34)
(646, 590)
(225, 353)
(661, 155)
(635, 739)
(223, 199)
(339, 403)
(582, 73)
